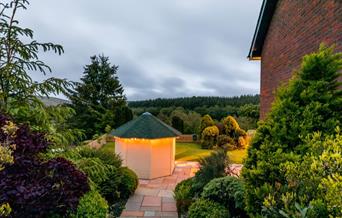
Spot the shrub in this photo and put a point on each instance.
(209, 136)
(91, 205)
(206, 122)
(224, 141)
(212, 167)
(95, 169)
(5, 210)
(310, 102)
(230, 125)
(86, 152)
(203, 208)
(32, 187)
(105, 173)
(227, 191)
(129, 182)
(233, 130)
(184, 196)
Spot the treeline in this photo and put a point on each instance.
(191, 103)
(188, 121)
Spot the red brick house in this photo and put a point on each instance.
(287, 30)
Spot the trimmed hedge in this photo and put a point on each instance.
(227, 191)
(184, 196)
(129, 182)
(91, 205)
(203, 208)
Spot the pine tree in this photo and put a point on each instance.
(99, 98)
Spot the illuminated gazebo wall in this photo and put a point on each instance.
(149, 158)
(147, 146)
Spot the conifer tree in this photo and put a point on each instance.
(99, 99)
(310, 102)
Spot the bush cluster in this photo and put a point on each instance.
(34, 187)
(106, 175)
(286, 172)
(203, 208)
(210, 193)
(227, 134)
(228, 191)
(184, 196)
(92, 204)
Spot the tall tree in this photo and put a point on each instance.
(18, 56)
(99, 98)
(19, 93)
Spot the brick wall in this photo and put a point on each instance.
(297, 28)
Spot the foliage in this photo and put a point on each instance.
(19, 93)
(225, 142)
(129, 182)
(5, 210)
(105, 173)
(183, 195)
(227, 191)
(250, 110)
(191, 103)
(206, 122)
(238, 136)
(52, 120)
(203, 208)
(109, 185)
(192, 115)
(7, 146)
(311, 102)
(98, 165)
(92, 204)
(212, 167)
(98, 99)
(209, 136)
(230, 125)
(177, 123)
(18, 56)
(318, 173)
(31, 186)
(247, 123)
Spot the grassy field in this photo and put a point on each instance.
(191, 152)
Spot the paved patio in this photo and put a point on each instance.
(154, 198)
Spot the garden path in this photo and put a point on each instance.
(154, 198)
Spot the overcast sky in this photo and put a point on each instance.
(164, 48)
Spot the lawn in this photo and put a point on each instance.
(191, 152)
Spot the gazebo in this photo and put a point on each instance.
(147, 146)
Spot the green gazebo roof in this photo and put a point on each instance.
(145, 126)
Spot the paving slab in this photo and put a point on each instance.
(154, 198)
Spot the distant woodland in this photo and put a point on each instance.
(185, 113)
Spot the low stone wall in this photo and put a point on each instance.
(97, 143)
(185, 138)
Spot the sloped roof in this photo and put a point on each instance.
(145, 126)
(265, 16)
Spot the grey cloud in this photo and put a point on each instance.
(166, 48)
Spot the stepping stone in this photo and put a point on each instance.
(151, 201)
(165, 193)
(168, 200)
(156, 209)
(128, 213)
(147, 191)
(169, 207)
(150, 213)
(132, 206)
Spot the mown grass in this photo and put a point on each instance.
(109, 147)
(191, 152)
